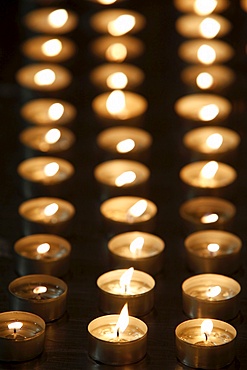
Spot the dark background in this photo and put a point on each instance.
(66, 339)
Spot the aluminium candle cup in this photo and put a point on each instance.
(117, 352)
(132, 115)
(197, 355)
(196, 213)
(117, 219)
(149, 260)
(140, 297)
(29, 341)
(108, 140)
(226, 260)
(34, 219)
(54, 262)
(197, 301)
(35, 182)
(50, 305)
(188, 6)
(107, 173)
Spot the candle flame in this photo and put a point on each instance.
(209, 218)
(207, 327)
(116, 53)
(123, 320)
(51, 47)
(136, 245)
(51, 209)
(51, 169)
(204, 80)
(43, 248)
(209, 170)
(40, 290)
(213, 247)
(125, 146)
(212, 292)
(125, 178)
(121, 25)
(58, 18)
(44, 77)
(55, 111)
(125, 279)
(202, 7)
(214, 141)
(16, 325)
(138, 208)
(209, 28)
(115, 103)
(52, 136)
(106, 2)
(206, 54)
(117, 80)
(208, 112)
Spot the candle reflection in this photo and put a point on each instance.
(44, 77)
(116, 52)
(51, 47)
(58, 18)
(121, 25)
(206, 54)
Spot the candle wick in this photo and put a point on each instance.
(14, 330)
(125, 288)
(118, 333)
(206, 336)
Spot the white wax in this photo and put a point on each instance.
(108, 333)
(193, 335)
(29, 329)
(25, 291)
(135, 287)
(146, 251)
(200, 292)
(56, 251)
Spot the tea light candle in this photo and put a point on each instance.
(47, 140)
(211, 295)
(126, 213)
(201, 7)
(51, 20)
(205, 51)
(119, 286)
(207, 212)
(120, 107)
(208, 78)
(213, 251)
(205, 344)
(117, 22)
(22, 336)
(49, 49)
(208, 27)
(46, 215)
(125, 142)
(117, 49)
(110, 76)
(42, 254)
(203, 107)
(122, 177)
(117, 339)
(141, 250)
(44, 77)
(43, 295)
(45, 175)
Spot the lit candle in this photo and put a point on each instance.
(43, 295)
(48, 49)
(42, 254)
(44, 77)
(141, 250)
(22, 336)
(205, 343)
(112, 76)
(117, 339)
(119, 286)
(120, 107)
(211, 295)
(51, 20)
(213, 251)
(202, 7)
(208, 108)
(48, 112)
(46, 214)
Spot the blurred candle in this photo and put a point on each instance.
(201, 7)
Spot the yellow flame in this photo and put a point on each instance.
(204, 7)
(45, 77)
(207, 327)
(214, 141)
(51, 47)
(209, 218)
(209, 170)
(58, 18)
(213, 247)
(116, 52)
(117, 80)
(121, 25)
(51, 169)
(206, 54)
(39, 289)
(125, 146)
(138, 208)
(115, 103)
(123, 320)
(208, 112)
(51, 209)
(106, 2)
(55, 111)
(52, 136)
(125, 279)
(136, 245)
(209, 28)
(125, 178)
(43, 248)
(212, 292)
(16, 325)
(204, 80)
